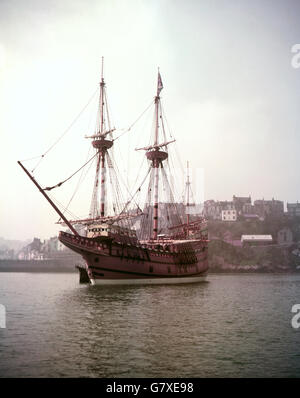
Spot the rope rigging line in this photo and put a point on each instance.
(113, 168)
(139, 171)
(162, 123)
(117, 194)
(172, 137)
(81, 178)
(115, 188)
(94, 211)
(27, 160)
(64, 133)
(130, 127)
(65, 210)
(146, 221)
(108, 111)
(138, 190)
(67, 179)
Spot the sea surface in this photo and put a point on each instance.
(230, 326)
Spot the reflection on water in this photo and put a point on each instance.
(233, 325)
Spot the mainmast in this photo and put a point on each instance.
(102, 144)
(156, 155)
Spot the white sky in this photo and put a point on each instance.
(230, 93)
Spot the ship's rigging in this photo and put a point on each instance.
(124, 241)
(160, 209)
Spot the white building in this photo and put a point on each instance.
(229, 215)
(256, 239)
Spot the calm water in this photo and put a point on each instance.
(233, 325)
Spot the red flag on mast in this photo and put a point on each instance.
(159, 84)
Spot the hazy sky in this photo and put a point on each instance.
(230, 92)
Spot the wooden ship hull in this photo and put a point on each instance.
(112, 262)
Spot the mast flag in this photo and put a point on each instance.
(159, 84)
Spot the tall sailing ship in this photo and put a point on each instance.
(159, 244)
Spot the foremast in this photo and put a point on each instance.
(101, 141)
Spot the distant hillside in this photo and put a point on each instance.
(225, 257)
(234, 230)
